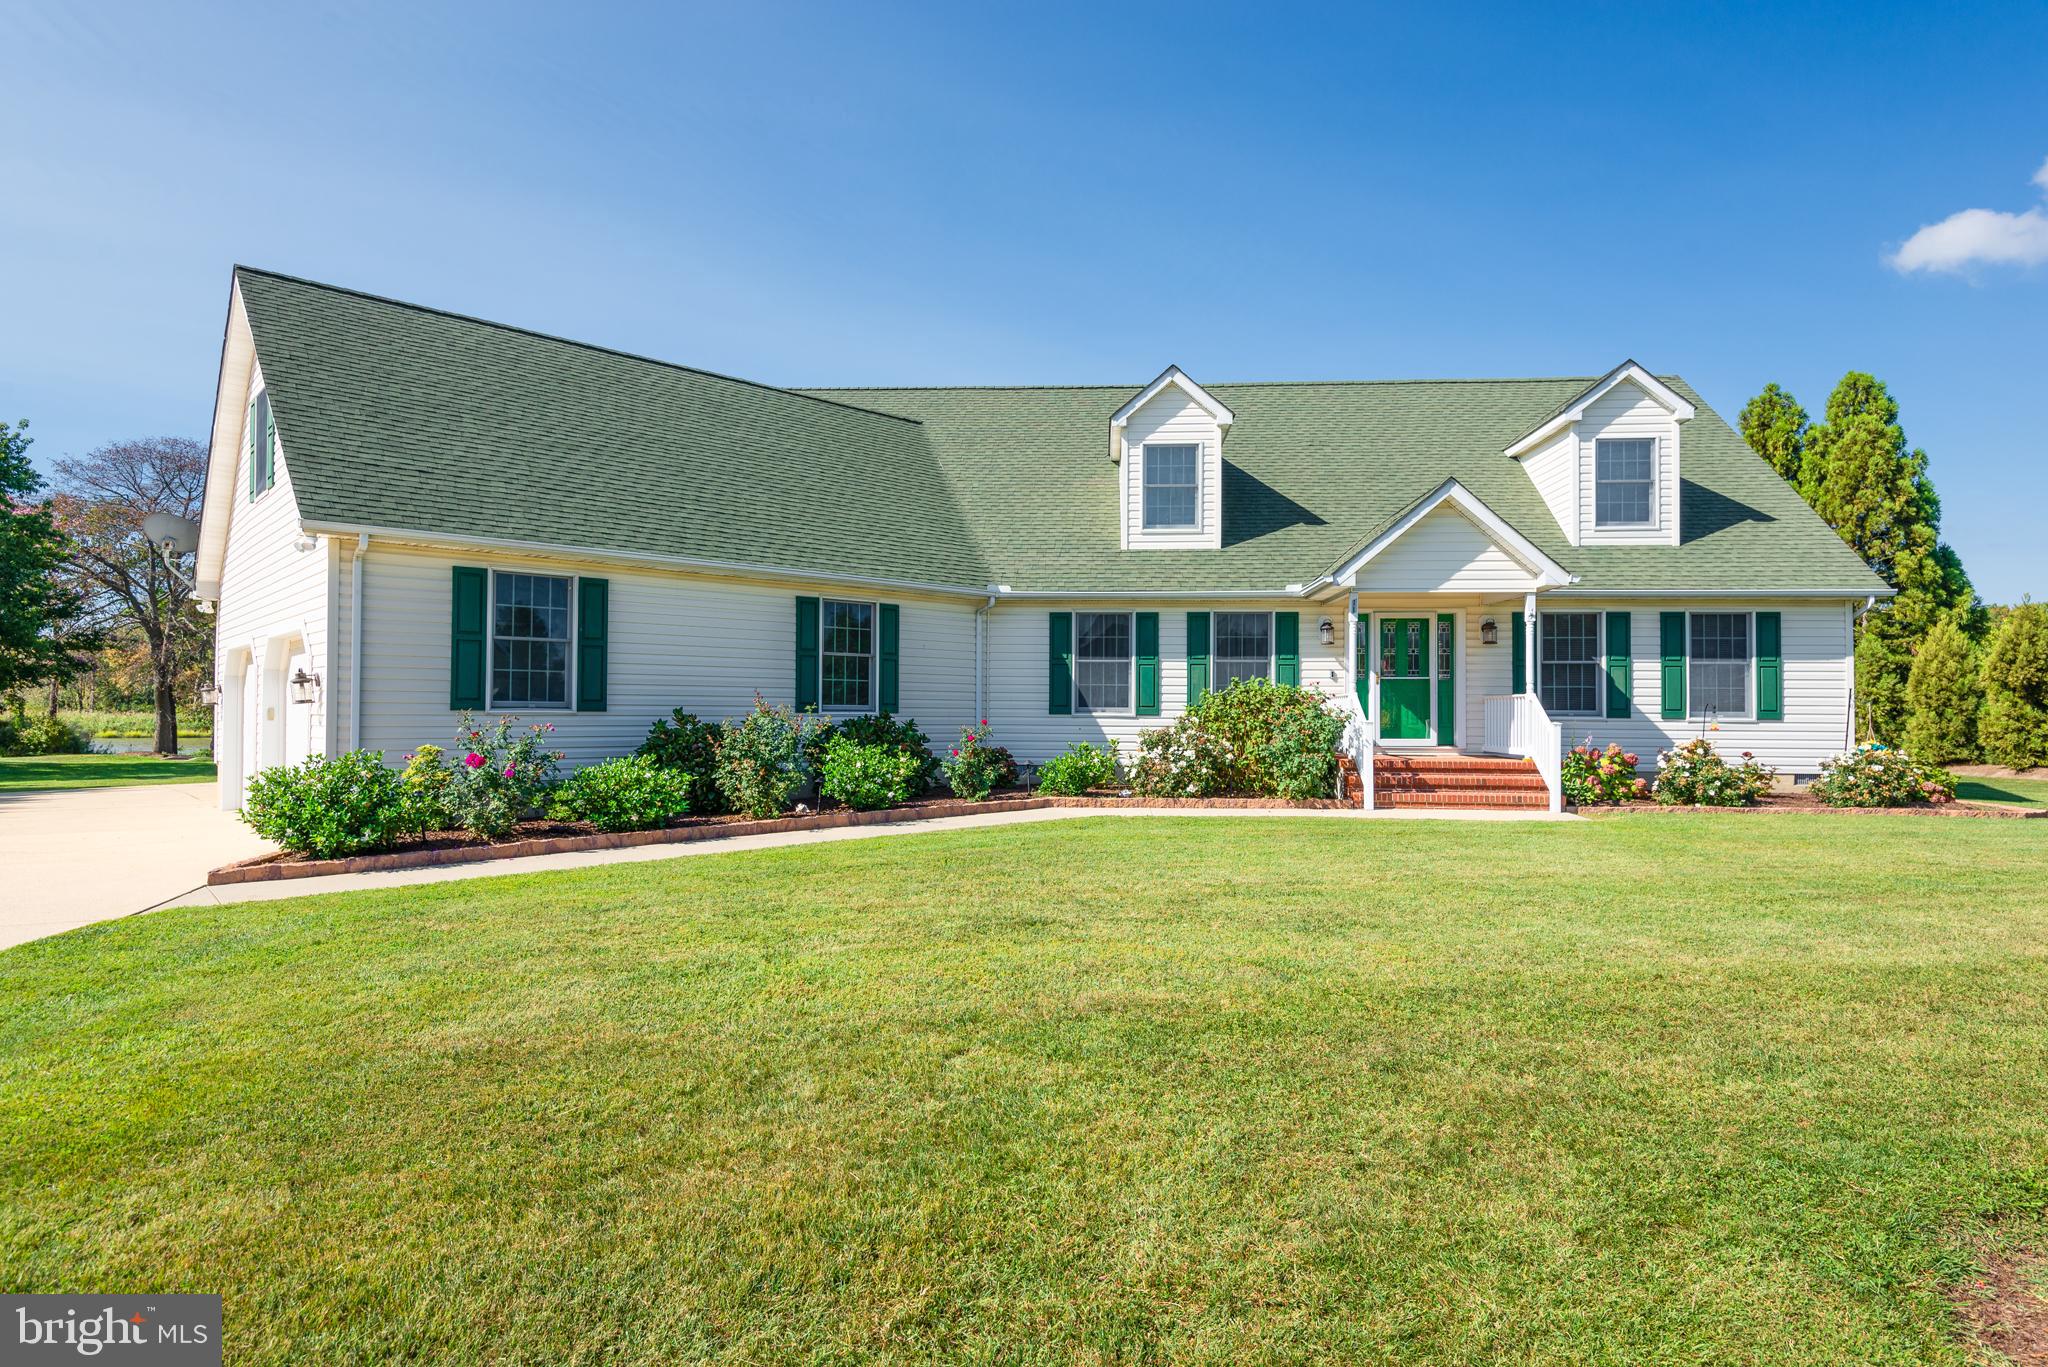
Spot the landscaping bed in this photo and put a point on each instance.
(1806, 802)
(530, 838)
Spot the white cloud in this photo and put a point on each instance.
(1979, 237)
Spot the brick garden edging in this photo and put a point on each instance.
(271, 869)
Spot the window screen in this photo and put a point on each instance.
(1244, 647)
(1102, 662)
(847, 654)
(1719, 661)
(1170, 485)
(1569, 663)
(1622, 479)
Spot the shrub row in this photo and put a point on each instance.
(1693, 774)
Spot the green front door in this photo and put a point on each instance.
(1404, 644)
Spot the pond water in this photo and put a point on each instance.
(142, 745)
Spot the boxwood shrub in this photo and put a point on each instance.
(329, 807)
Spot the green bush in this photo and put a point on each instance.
(869, 776)
(628, 794)
(1878, 776)
(498, 778)
(1253, 739)
(1943, 696)
(1593, 777)
(425, 781)
(1180, 760)
(42, 735)
(763, 759)
(1298, 759)
(2013, 728)
(689, 745)
(1694, 775)
(974, 768)
(328, 807)
(1081, 768)
(902, 736)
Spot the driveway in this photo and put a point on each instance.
(72, 857)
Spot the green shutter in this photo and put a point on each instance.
(254, 488)
(806, 654)
(1198, 656)
(1287, 648)
(1059, 663)
(1770, 669)
(1620, 679)
(593, 643)
(888, 635)
(1671, 652)
(466, 673)
(1148, 663)
(269, 445)
(1519, 643)
(1447, 684)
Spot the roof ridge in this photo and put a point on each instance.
(555, 337)
(1217, 384)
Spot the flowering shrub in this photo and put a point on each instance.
(870, 776)
(762, 758)
(498, 779)
(425, 783)
(1694, 775)
(328, 807)
(974, 768)
(1874, 775)
(1082, 767)
(627, 794)
(1181, 760)
(690, 746)
(1594, 776)
(901, 736)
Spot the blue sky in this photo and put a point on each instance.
(867, 194)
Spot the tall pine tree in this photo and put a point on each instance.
(1859, 474)
(35, 600)
(1943, 695)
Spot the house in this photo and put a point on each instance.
(411, 513)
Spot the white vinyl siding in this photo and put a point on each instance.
(1170, 419)
(1443, 552)
(1553, 470)
(1241, 646)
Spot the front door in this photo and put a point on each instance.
(1404, 644)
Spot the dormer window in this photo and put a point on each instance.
(1624, 480)
(1172, 474)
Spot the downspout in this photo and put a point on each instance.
(355, 644)
(980, 653)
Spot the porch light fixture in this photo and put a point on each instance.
(209, 695)
(1327, 629)
(305, 687)
(1489, 634)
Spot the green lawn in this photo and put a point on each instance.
(1672, 1088)
(2031, 792)
(99, 771)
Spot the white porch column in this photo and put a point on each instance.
(1529, 640)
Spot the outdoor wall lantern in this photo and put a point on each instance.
(209, 695)
(1328, 630)
(1489, 634)
(305, 687)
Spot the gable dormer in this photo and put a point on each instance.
(1607, 462)
(1168, 445)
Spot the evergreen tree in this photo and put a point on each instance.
(36, 605)
(1775, 427)
(2014, 727)
(1942, 696)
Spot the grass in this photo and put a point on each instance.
(1670, 1088)
(2029, 792)
(98, 771)
(135, 724)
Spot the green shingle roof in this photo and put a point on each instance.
(407, 418)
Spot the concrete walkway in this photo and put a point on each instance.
(547, 863)
(69, 857)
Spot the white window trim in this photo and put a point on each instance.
(1692, 712)
(1074, 675)
(1144, 468)
(492, 707)
(1656, 486)
(1215, 656)
(1599, 658)
(874, 706)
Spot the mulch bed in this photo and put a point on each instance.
(566, 837)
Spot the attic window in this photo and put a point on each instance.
(1170, 476)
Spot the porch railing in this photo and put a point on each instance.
(1516, 724)
(1358, 744)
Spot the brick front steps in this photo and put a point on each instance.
(1449, 781)
(272, 867)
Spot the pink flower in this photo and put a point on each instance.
(473, 760)
(956, 751)
(508, 771)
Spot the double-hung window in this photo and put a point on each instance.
(529, 640)
(847, 656)
(1624, 479)
(1718, 664)
(1568, 667)
(1171, 474)
(1102, 662)
(1244, 648)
